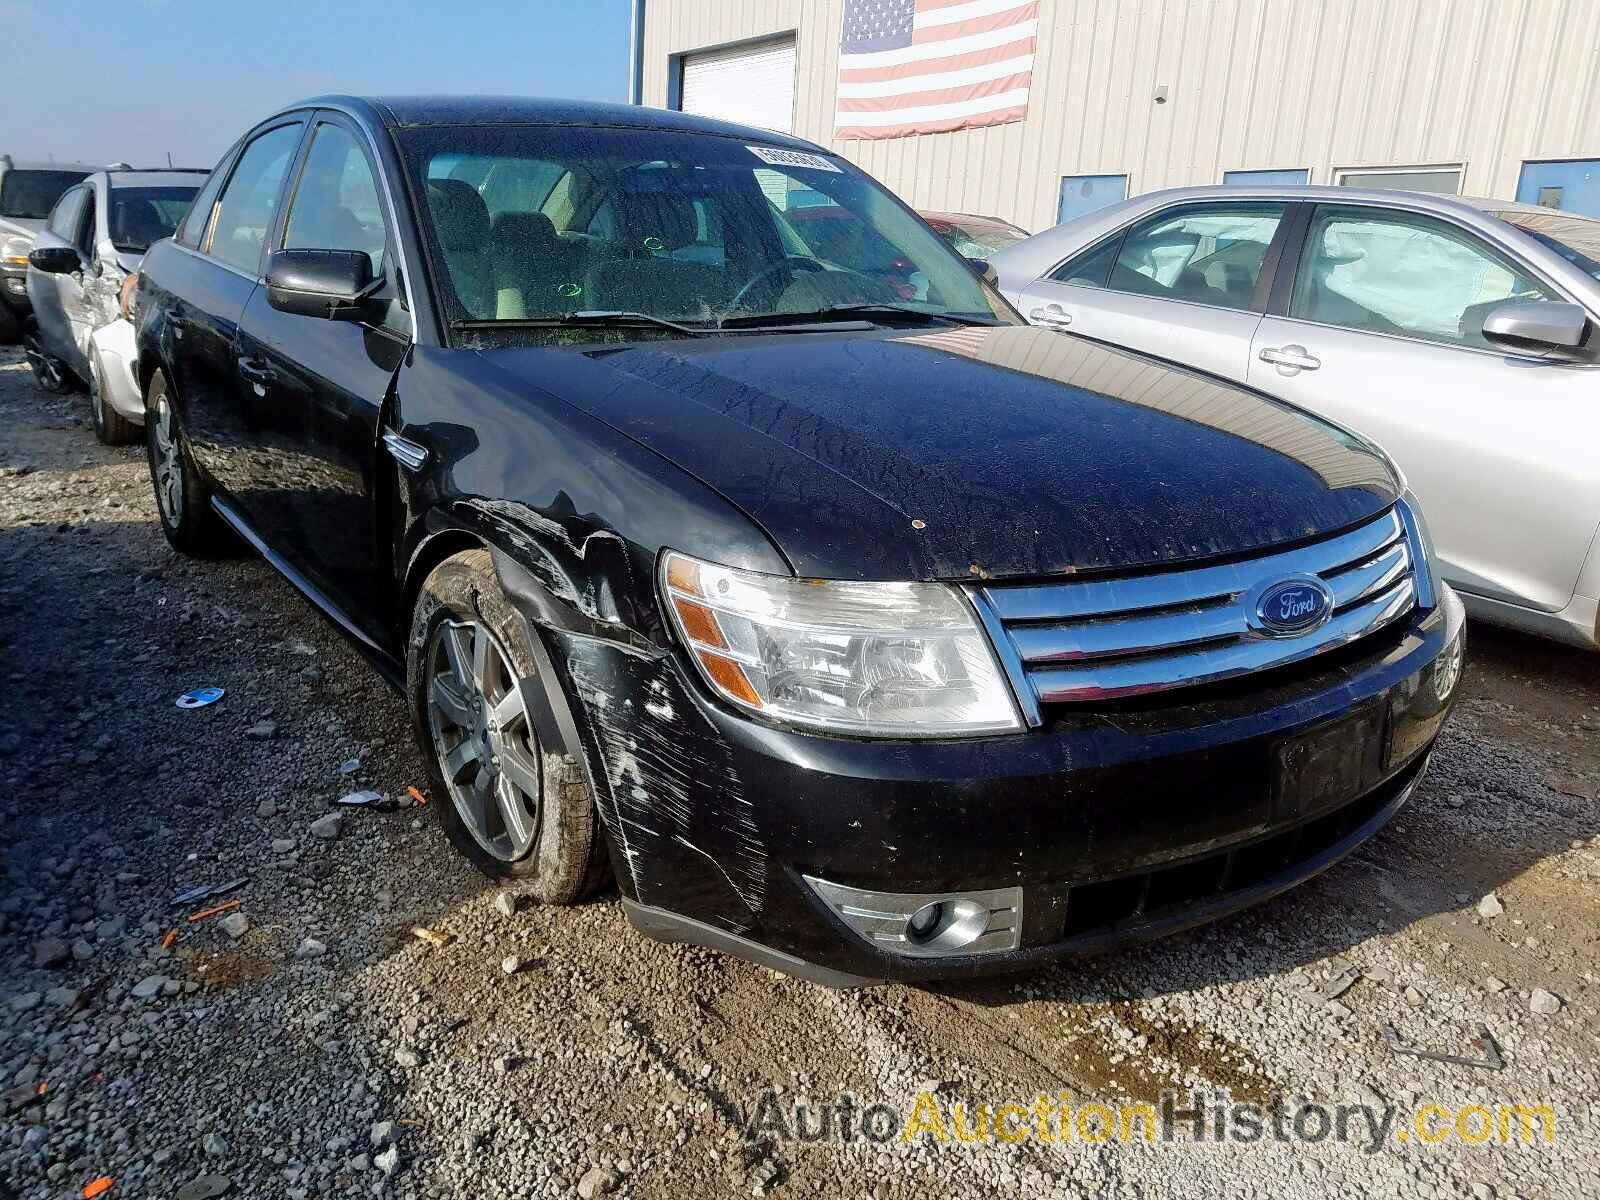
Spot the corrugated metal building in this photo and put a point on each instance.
(1481, 97)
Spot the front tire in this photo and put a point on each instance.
(49, 372)
(183, 499)
(514, 809)
(110, 426)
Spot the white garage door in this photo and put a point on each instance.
(750, 85)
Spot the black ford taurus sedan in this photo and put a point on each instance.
(857, 629)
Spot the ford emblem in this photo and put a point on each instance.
(1291, 606)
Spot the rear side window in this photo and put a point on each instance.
(1205, 255)
(194, 225)
(250, 199)
(1383, 271)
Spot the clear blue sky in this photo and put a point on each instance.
(101, 80)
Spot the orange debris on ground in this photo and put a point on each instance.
(211, 912)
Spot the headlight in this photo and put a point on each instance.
(14, 251)
(873, 659)
(1421, 549)
(126, 296)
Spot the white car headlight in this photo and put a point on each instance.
(871, 659)
(14, 250)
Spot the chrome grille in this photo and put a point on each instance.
(1097, 639)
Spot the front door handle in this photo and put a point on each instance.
(1290, 358)
(1051, 316)
(253, 371)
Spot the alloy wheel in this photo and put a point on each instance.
(486, 746)
(168, 464)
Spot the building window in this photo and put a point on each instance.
(1572, 187)
(1290, 176)
(1084, 193)
(1444, 180)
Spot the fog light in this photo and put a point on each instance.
(921, 925)
(924, 921)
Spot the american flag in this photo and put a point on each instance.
(926, 66)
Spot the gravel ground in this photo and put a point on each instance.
(306, 1044)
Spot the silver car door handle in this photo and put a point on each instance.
(1291, 356)
(1051, 316)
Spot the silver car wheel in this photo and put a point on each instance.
(97, 400)
(488, 751)
(169, 465)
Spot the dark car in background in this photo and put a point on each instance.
(865, 635)
(28, 191)
(974, 237)
(81, 267)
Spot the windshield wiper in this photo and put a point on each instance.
(587, 319)
(834, 312)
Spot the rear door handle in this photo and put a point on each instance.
(1296, 358)
(1051, 316)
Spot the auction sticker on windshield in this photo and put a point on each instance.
(793, 158)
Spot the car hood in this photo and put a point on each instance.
(974, 452)
(27, 226)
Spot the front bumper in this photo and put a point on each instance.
(1113, 826)
(116, 352)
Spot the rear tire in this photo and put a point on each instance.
(110, 426)
(514, 810)
(183, 498)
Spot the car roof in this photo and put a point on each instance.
(155, 177)
(1439, 201)
(410, 112)
(18, 164)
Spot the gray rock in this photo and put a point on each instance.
(383, 1132)
(147, 987)
(360, 1163)
(62, 997)
(267, 809)
(389, 1161)
(82, 951)
(1546, 1004)
(598, 1180)
(111, 929)
(215, 1145)
(1490, 907)
(310, 948)
(50, 952)
(407, 1057)
(206, 1187)
(506, 904)
(510, 964)
(1493, 983)
(26, 1002)
(327, 828)
(262, 730)
(283, 845)
(235, 925)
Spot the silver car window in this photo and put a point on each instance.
(1384, 271)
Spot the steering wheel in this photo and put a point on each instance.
(790, 262)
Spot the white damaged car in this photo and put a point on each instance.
(81, 273)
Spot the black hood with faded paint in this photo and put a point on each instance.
(975, 451)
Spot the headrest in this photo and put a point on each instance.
(460, 216)
(524, 235)
(670, 219)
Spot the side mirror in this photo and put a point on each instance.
(332, 284)
(1545, 327)
(55, 260)
(984, 270)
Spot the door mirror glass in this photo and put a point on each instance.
(332, 284)
(1537, 327)
(55, 260)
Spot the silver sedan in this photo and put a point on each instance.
(1461, 335)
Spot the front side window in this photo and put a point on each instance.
(194, 225)
(66, 218)
(1381, 271)
(250, 199)
(142, 216)
(32, 194)
(336, 204)
(534, 223)
(1204, 255)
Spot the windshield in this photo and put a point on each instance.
(34, 193)
(1576, 239)
(975, 240)
(141, 216)
(536, 223)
